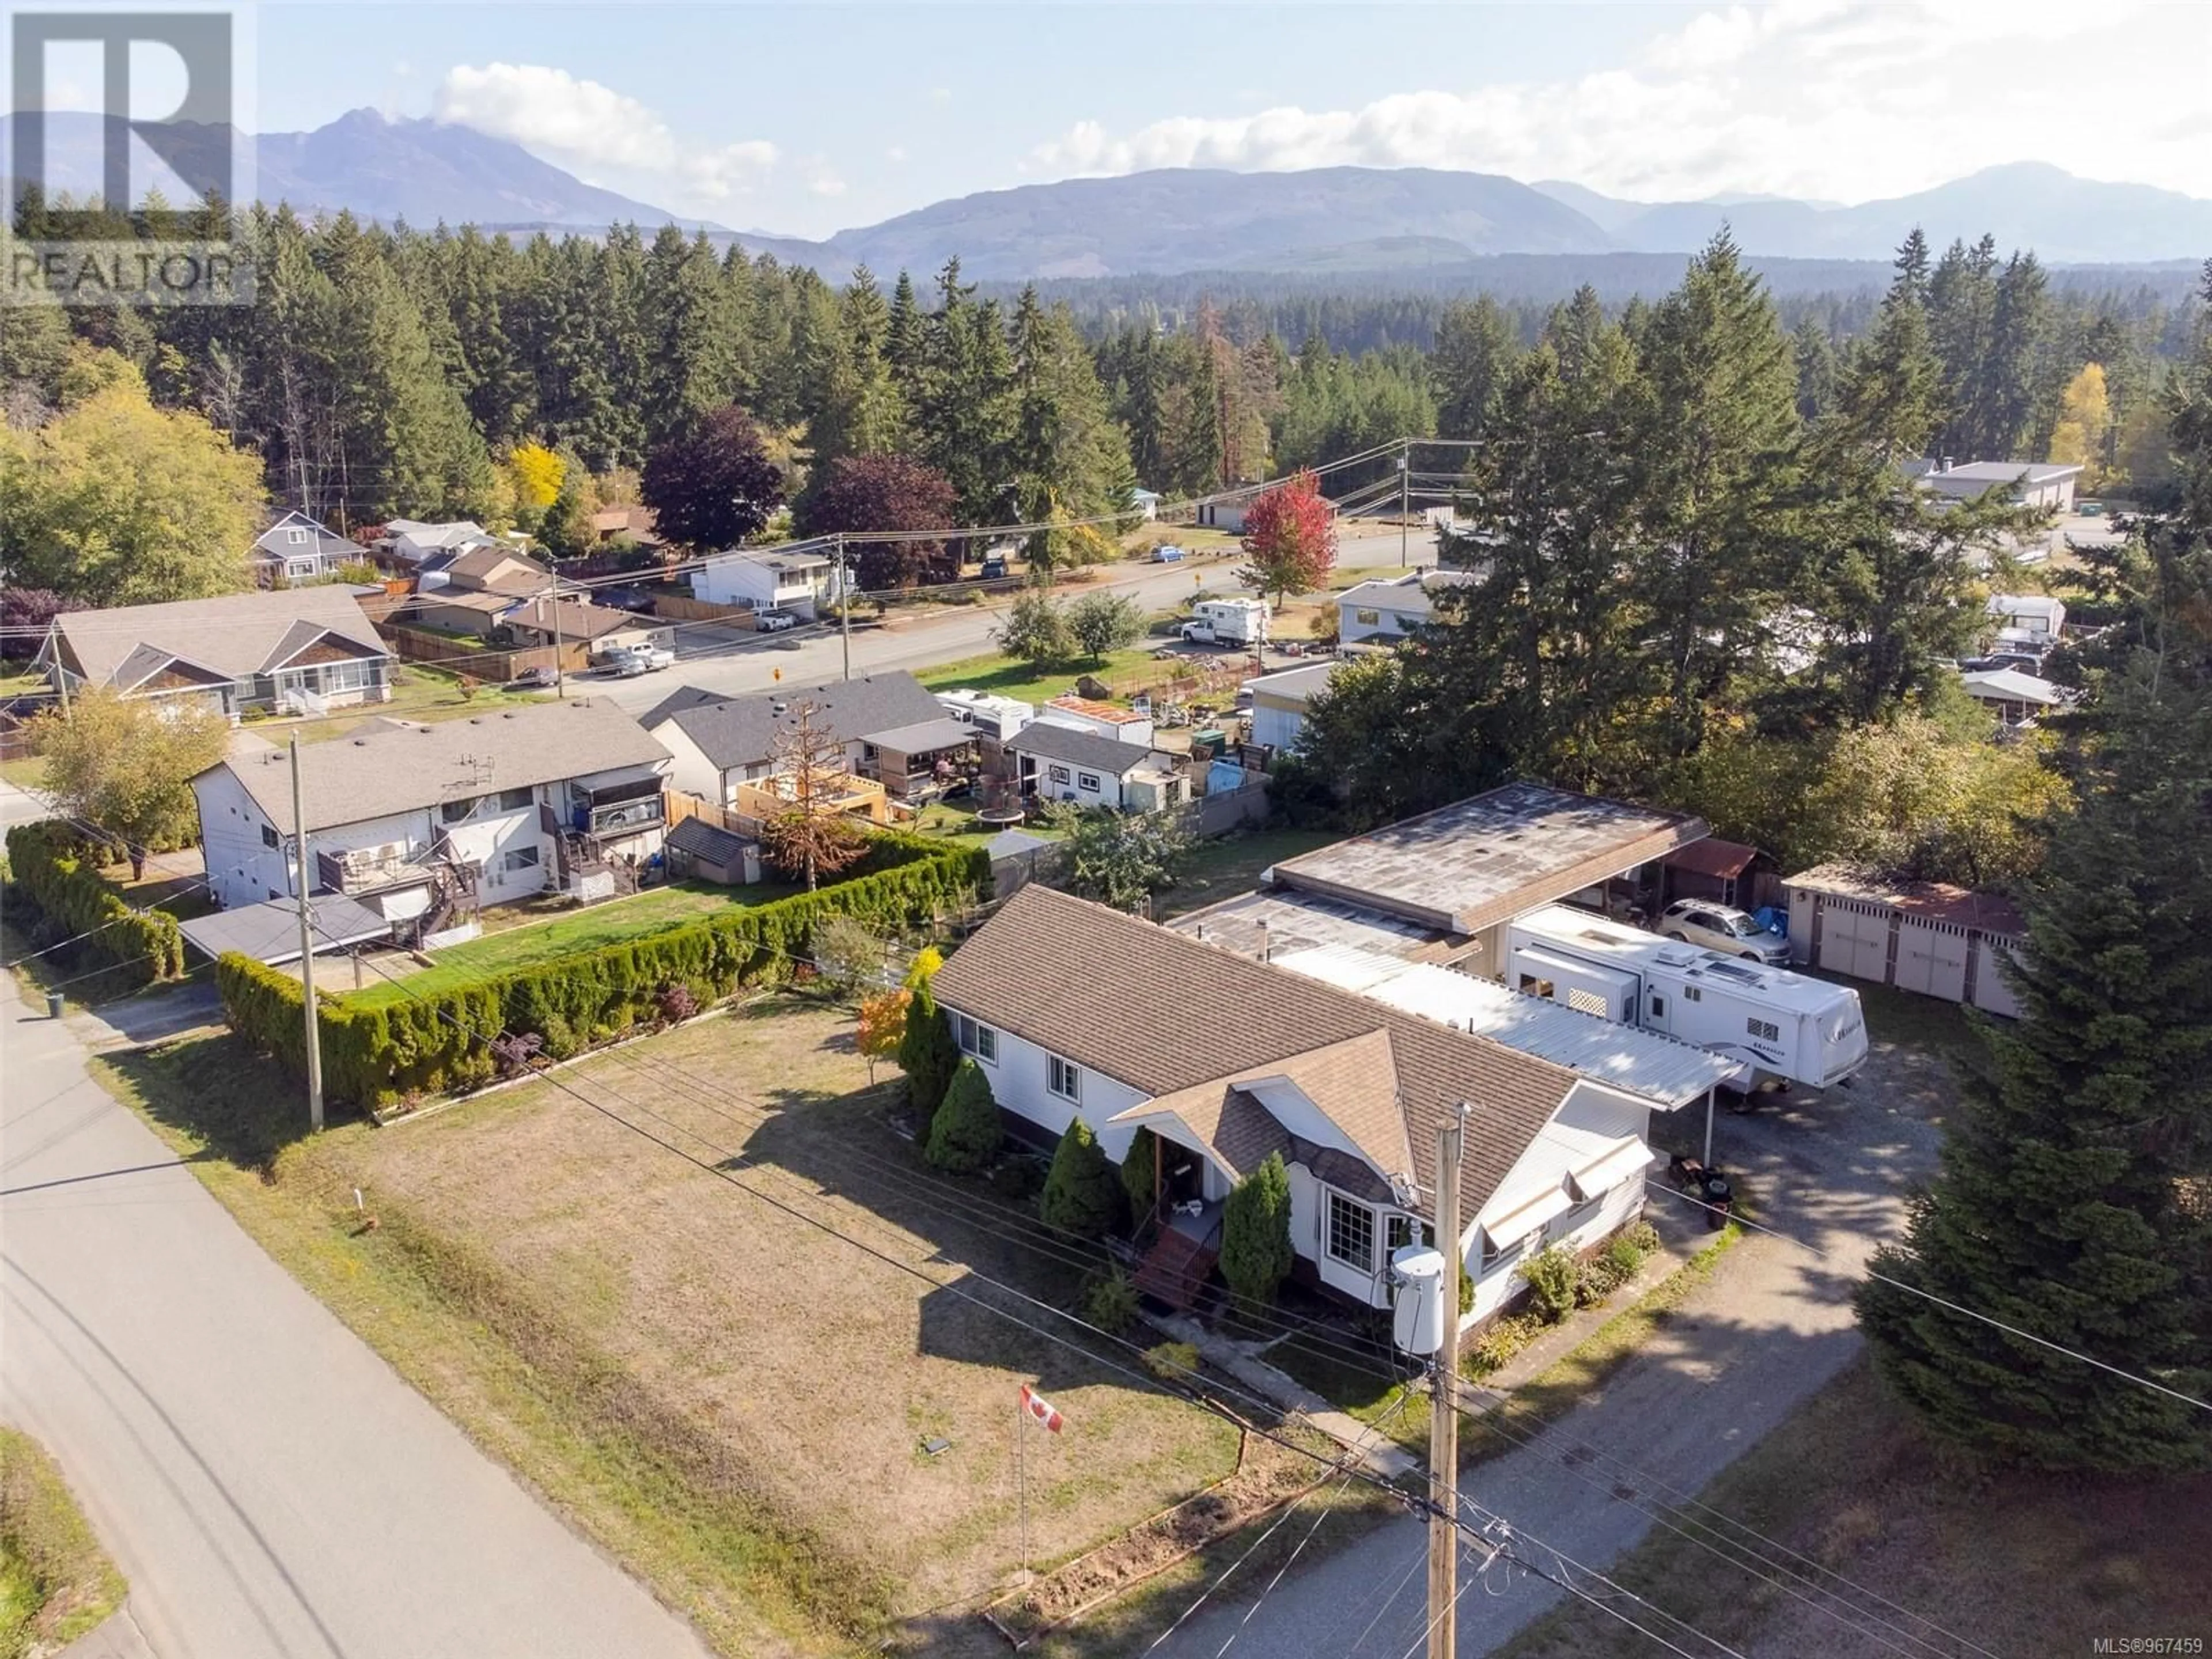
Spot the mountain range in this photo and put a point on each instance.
(1325, 220)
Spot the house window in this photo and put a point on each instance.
(1351, 1233)
(1402, 1230)
(1063, 1078)
(268, 835)
(514, 801)
(1537, 988)
(1493, 1258)
(976, 1038)
(299, 567)
(1087, 781)
(1368, 618)
(1766, 1030)
(297, 537)
(457, 811)
(520, 858)
(1058, 774)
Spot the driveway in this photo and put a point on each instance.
(271, 1489)
(1770, 1327)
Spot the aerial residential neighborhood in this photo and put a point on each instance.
(1399, 853)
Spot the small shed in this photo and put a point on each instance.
(1925, 936)
(696, 848)
(269, 931)
(1711, 869)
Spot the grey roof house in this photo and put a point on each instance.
(1058, 763)
(297, 549)
(300, 650)
(721, 742)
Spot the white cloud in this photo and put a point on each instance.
(896, 154)
(1822, 98)
(594, 129)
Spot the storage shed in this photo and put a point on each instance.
(1930, 937)
(710, 852)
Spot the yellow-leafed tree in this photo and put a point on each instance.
(2085, 421)
(539, 473)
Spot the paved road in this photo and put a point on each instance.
(269, 1486)
(718, 661)
(1768, 1329)
(19, 806)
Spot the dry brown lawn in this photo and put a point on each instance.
(723, 1392)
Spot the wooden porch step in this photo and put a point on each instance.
(1174, 1269)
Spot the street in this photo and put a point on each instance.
(1768, 1328)
(271, 1489)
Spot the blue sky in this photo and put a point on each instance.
(802, 118)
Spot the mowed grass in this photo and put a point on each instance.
(2019, 1564)
(1216, 870)
(1011, 676)
(429, 695)
(635, 917)
(56, 1583)
(662, 1338)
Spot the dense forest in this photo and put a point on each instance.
(397, 371)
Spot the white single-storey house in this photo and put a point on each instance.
(487, 810)
(1278, 702)
(1103, 719)
(407, 543)
(2046, 484)
(1073, 1009)
(301, 650)
(2033, 616)
(768, 579)
(1058, 762)
(1145, 503)
(1384, 612)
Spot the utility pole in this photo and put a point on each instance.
(560, 680)
(61, 671)
(307, 945)
(1405, 479)
(1443, 1401)
(845, 607)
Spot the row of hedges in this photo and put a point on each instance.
(441, 1041)
(56, 868)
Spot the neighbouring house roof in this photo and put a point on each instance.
(1723, 860)
(577, 622)
(450, 533)
(1117, 994)
(924, 735)
(351, 780)
(1986, 473)
(275, 544)
(2024, 604)
(2010, 685)
(795, 564)
(1292, 684)
(710, 842)
(1092, 709)
(498, 570)
(1013, 843)
(233, 636)
(1922, 900)
(1273, 919)
(732, 732)
(1071, 745)
(269, 931)
(1412, 595)
(637, 523)
(1464, 867)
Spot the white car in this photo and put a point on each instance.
(1724, 928)
(775, 621)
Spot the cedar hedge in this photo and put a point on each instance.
(56, 868)
(441, 1041)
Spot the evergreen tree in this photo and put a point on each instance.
(1082, 1192)
(1816, 370)
(927, 1055)
(1475, 349)
(965, 1134)
(693, 330)
(1140, 1173)
(1256, 1254)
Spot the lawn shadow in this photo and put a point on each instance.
(242, 1109)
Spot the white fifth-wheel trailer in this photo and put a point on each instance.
(1774, 1022)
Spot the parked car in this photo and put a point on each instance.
(629, 665)
(534, 680)
(994, 568)
(1724, 928)
(775, 621)
(1167, 553)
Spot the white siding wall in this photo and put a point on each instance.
(1281, 728)
(244, 869)
(1107, 793)
(1619, 1207)
(734, 581)
(693, 774)
(492, 834)
(1018, 1078)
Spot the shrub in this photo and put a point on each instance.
(1501, 1340)
(927, 1055)
(1141, 1169)
(1172, 1362)
(1552, 1275)
(849, 953)
(1256, 1234)
(1110, 1302)
(1018, 1179)
(1643, 1235)
(964, 1135)
(675, 1003)
(57, 870)
(1083, 1193)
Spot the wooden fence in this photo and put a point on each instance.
(480, 662)
(677, 607)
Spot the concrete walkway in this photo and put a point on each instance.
(1770, 1327)
(267, 1484)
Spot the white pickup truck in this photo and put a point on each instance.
(627, 661)
(1227, 621)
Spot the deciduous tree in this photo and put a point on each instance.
(124, 765)
(1036, 629)
(1290, 538)
(813, 836)
(859, 493)
(1120, 859)
(1101, 623)
(712, 484)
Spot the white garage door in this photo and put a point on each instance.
(1931, 958)
(1277, 727)
(1855, 939)
(1990, 992)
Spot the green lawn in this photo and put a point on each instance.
(651, 912)
(56, 1583)
(1010, 676)
(417, 693)
(23, 684)
(26, 772)
(1221, 869)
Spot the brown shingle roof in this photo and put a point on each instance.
(1163, 1013)
(233, 634)
(1920, 900)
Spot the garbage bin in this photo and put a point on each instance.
(54, 1005)
(1718, 1202)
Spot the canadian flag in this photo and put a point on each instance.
(1040, 1408)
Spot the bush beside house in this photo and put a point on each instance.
(57, 869)
(1083, 1193)
(927, 1055)
(964, 1136)
(1256, 1255)
(439, 1041)
(1140, 1173)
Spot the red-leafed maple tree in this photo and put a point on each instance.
(1290, 538)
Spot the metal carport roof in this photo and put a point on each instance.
(269, 931)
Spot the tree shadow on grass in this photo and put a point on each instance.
(241, 1108)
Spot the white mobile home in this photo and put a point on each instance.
(1772, 1022)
